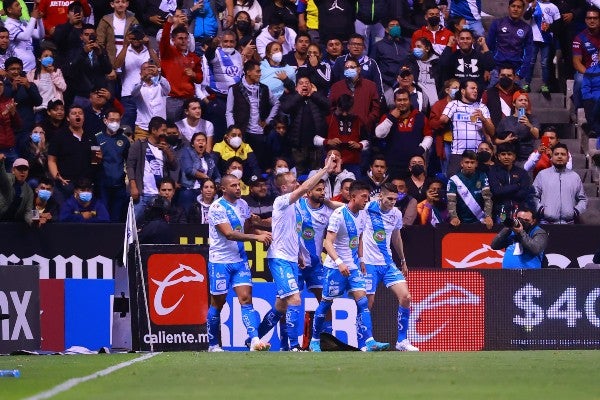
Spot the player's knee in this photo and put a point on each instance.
(245, 299)
(362, 302)
(404, 299)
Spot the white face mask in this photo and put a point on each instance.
(281, 170)
(237, 173)
(113, 126)
(235, 142)
(228, 50)
(277, 57)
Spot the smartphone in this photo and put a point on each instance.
(545, 141)
(35, 214)
(521, 112)
(93, 37)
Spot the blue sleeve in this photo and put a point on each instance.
(101, 213)
(67, 212)
(491, 39)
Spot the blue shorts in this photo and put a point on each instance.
(335, 284)
(224, 276)
(389, 274)
(285, 276)
(311, 277)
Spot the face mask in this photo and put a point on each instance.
(36, 137)
(235, 142)
(85, 196)
(433, 21)
(173, 140)
(277, 57)
(463, 27)
(401, 196)
(453, 93)
(243, 25)
(505, 82)
(395, 31)
(484, 156)
(350, 73)
(44, 194)
(228, 50)
(237, 173)
(417, 169)
(281, 170)
(155, 80)
(276, 34)
(418, 52)
(113, 126)
(47, 61)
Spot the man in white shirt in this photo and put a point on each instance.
(150, 96)
(193, 122)
(22, 33)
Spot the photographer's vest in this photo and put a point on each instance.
(516, 257)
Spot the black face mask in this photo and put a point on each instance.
(173, 140)
(433, 21)
(276, 34)
(505, 82)
(417, 169)
(243, 25)
(484, 156)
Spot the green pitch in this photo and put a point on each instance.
(374, 376)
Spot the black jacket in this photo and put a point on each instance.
(295, 105)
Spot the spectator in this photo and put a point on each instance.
(150, 96)
(49, 81)
(285, 10)
(436, 33)
(520, 129)
(470, 10)
(67, 37)
(364, 92)
(368, 68)
(154, 13)
(559, 194)
(298, 57)
(308, 19)
(391, 53)
(469, 196)
(277, 141)
(99, 102)
(340, 16)
(174, 213)
(468, 62)
(83, 206)
(524, 242)
(243, 27)
(255, 107)
(22, 33)
(193, 123)
(586, 47)
(206, 24)
(511, 41)
(275, 74)
(36, 154)
(368, 23)
(306, 108)
(180, 18)
(24, 93)
(486, 157)
(44, 203)
(432, 210)
(333, 180)
(276, 31)
(344, 195)
(376, 176)
(407, 132)
(442, 132)
(235, 167)
(148, 162)
(181, 67)
(333, 50)
(9, 123)
(346, 132)
(590, 94)
(113, 28)
(199, 212)
(418, 181)
(280, 166)
(499, 98)
(406, 81)
(197, 165)
(457, 24)
(261, 203)
(115, 149)
(56, 13)
(510, 185)
(136, 51)
(471, 123)
(251, 7)
(55, 120)
(317, 70)
(233, 146)
(405, 203)
(70, 155)
(16, 196)
(7, 49)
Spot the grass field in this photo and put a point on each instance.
(341, 375)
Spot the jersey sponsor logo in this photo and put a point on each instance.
(308, 234)
(448, 310)
(177, 289)
(293, 285)
(232, 70)
(379, 236)
(470, 250)
(353, 243)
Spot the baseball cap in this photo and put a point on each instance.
(256, 179)
(20, 162)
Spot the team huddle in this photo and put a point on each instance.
(357, 238)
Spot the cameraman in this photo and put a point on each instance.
(524, 241)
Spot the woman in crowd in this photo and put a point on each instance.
(37, 156)
(251, 7)
(49, 81)
(432, 210)
(199, 210)
(318, 71)
(486, 157)
(521, 128)
(275, 73)
(424, 63)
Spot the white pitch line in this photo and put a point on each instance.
(63, 387)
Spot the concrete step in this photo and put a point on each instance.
(537, 101)
(591, 216)
(574, 145)
(591, 190)
(579, 160)
(583, 174)
(552, 115)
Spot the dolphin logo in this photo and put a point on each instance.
(168, 282)
(471, 259)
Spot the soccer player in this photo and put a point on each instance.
(228, 263)
(382, 228)
(343, 245)
(283, 253)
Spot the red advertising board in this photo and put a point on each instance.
(470, 250)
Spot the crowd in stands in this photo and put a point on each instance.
(103, 101)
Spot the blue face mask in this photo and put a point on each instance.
(36, 137)
(47, 61)
(401, 196)
(350, 73)
(453, 93)
(85, 196)
(44, 194)
(418, 52)
(395, 31)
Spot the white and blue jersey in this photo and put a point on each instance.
(544, 13)
(312, 234)
(285, 224)
(470, 10)
(377, 236)
(348, 227)
(223, 250)
(224, 70)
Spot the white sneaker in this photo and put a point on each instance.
(258, 345)
(405, 346)
(215, 349)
